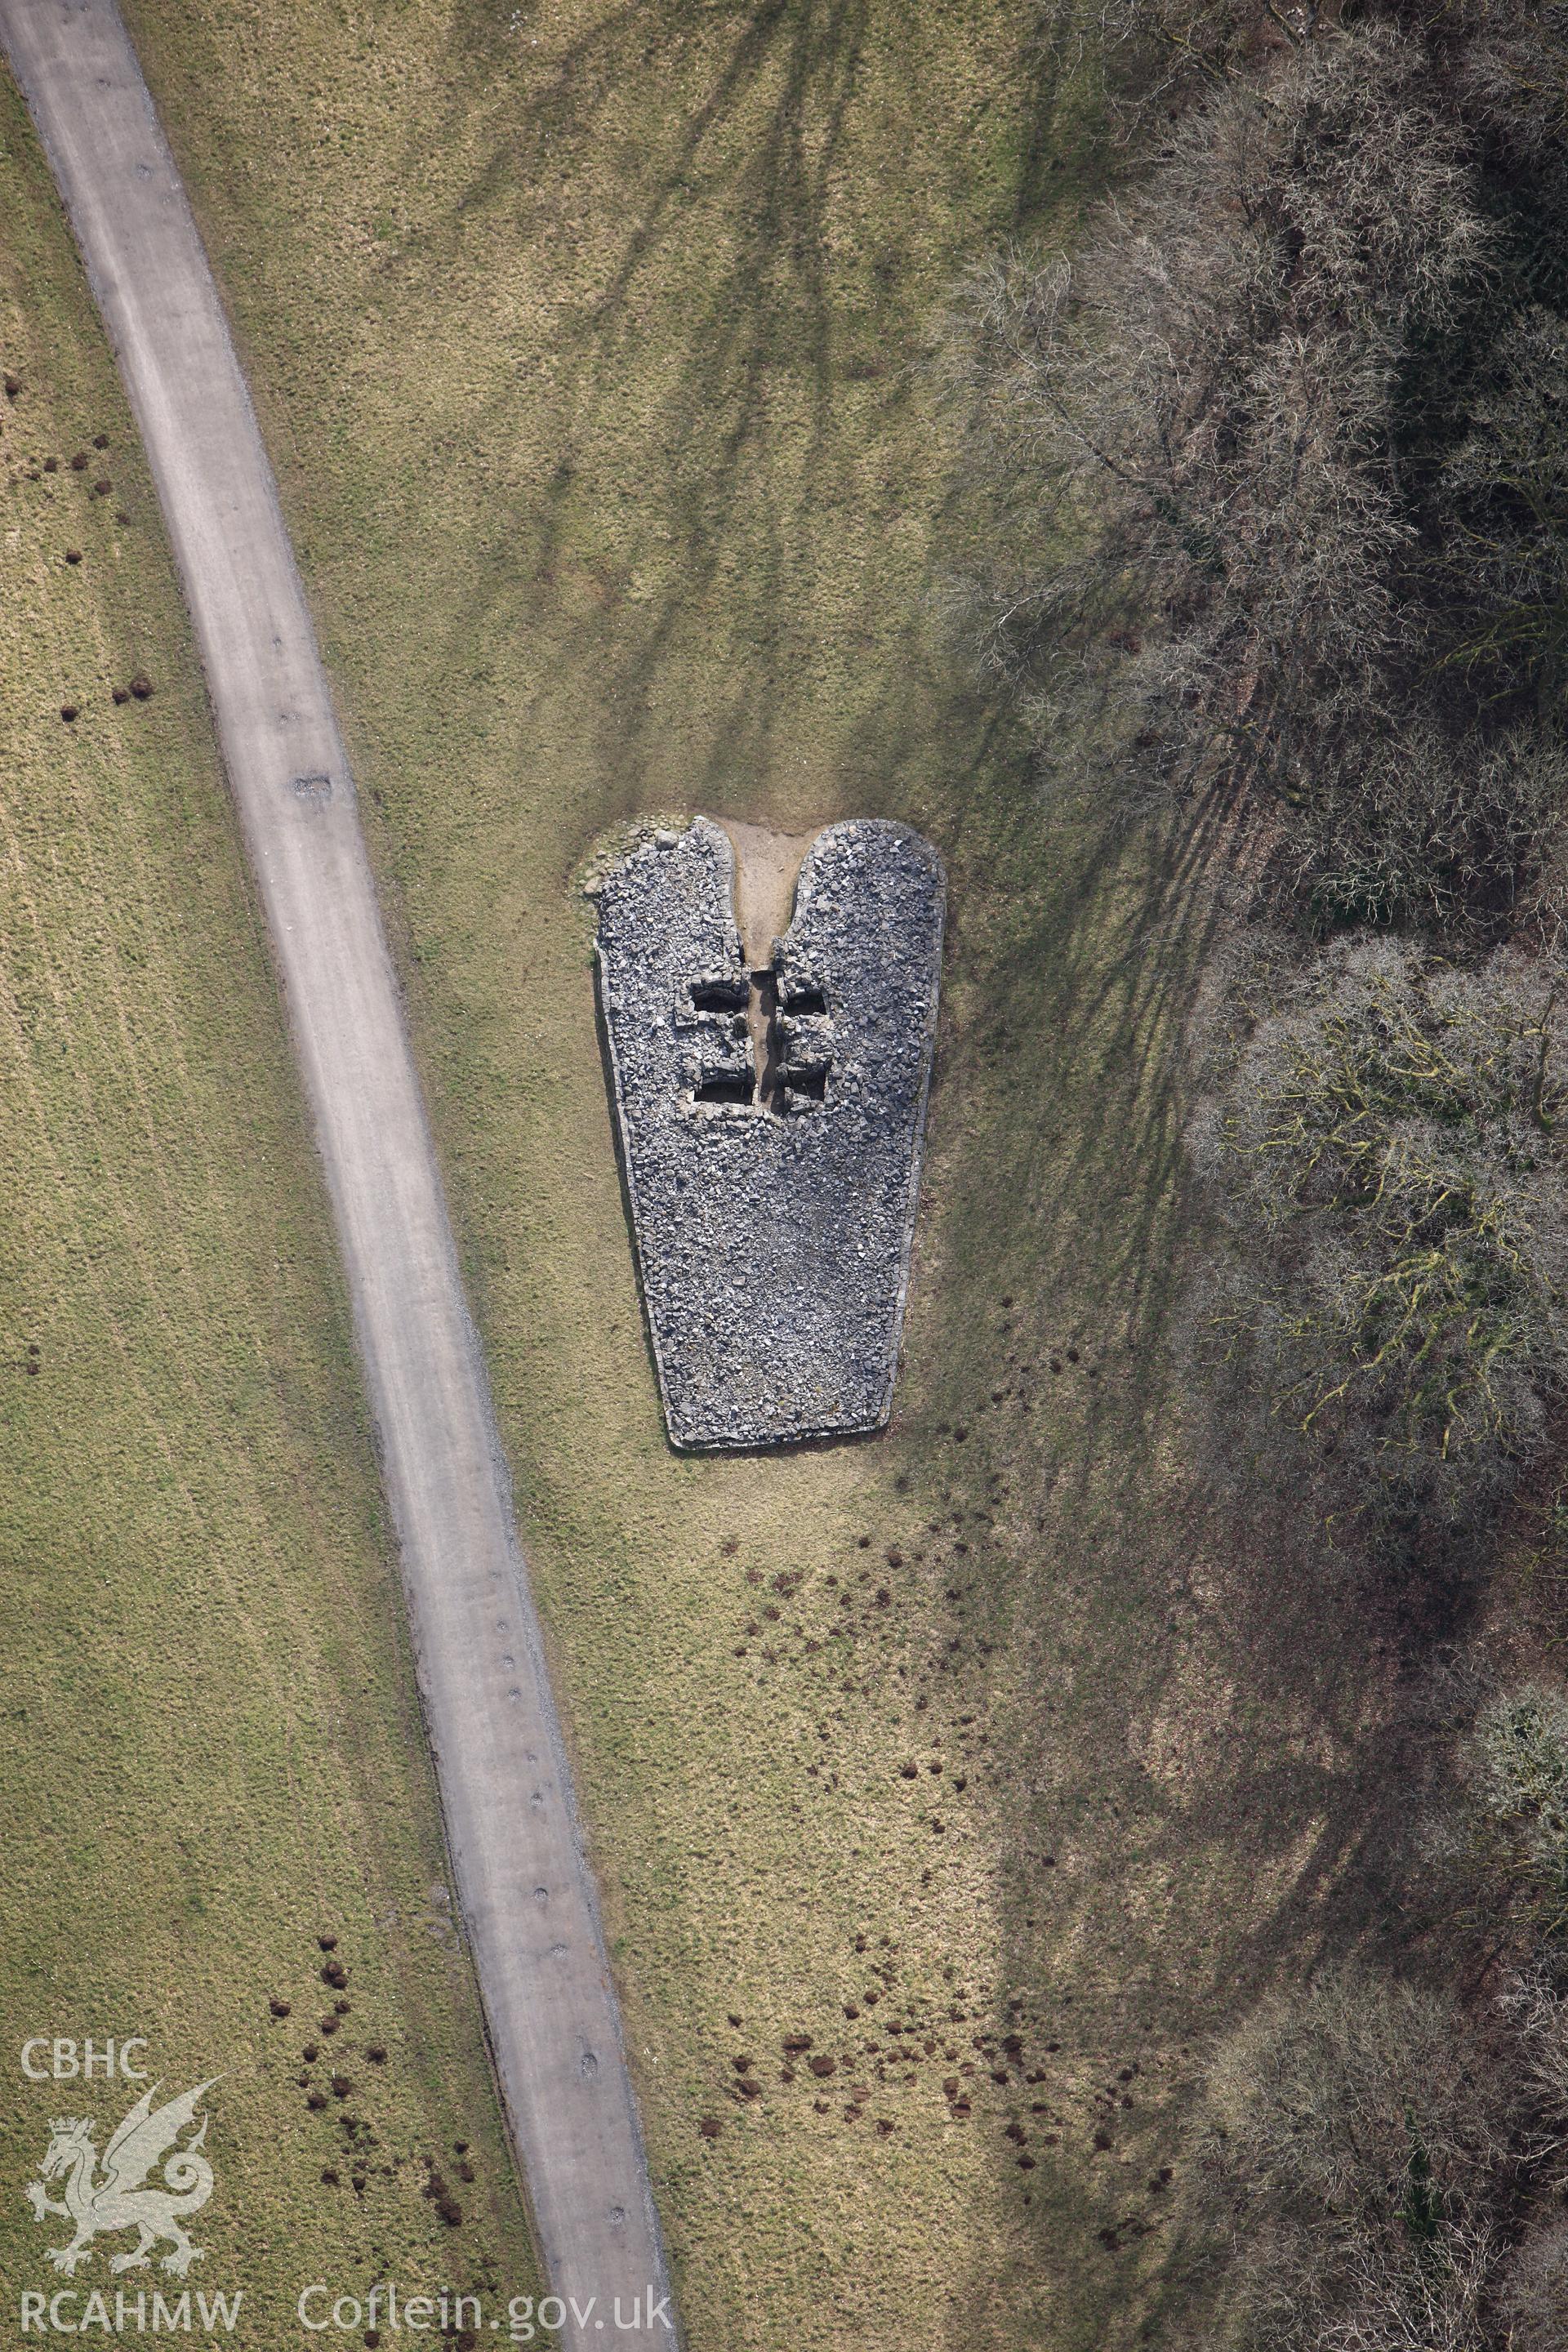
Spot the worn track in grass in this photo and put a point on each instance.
(521, 1872)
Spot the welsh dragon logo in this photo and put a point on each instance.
(117, 2199)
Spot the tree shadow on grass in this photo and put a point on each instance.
(730, 366)
(1216, 1725)
(731, 403)
(1199, 1719)
(1224, 1770)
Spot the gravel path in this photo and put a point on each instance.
(521, 1873)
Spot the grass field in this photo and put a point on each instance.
(989, 1754)
(213, 1750)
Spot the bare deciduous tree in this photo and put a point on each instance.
(1279, 460)
(1389, 1155)
(1359, 2138)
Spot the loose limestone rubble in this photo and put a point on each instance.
(772, 1205)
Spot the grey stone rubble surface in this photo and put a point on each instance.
(773, 1209)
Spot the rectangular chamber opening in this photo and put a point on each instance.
(718, 995)
(806, 1001)
(811, 1084)
(727, 1086)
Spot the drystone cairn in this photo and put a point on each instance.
(772, 1194)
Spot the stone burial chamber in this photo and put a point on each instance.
(771, 1118)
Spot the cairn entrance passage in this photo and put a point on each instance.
(770, 1027)
(763, 1044)
(767, 867)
